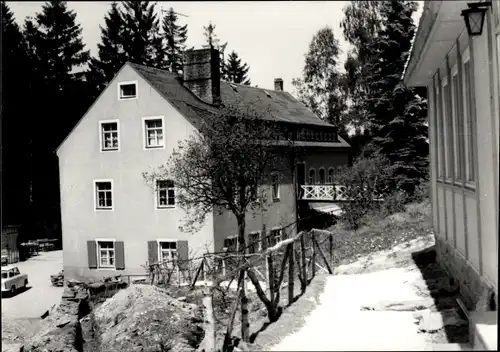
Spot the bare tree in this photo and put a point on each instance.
(226, 164)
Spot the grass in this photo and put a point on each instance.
(379, 232)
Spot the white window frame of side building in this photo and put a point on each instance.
(101, 148)
(98, 253)
(325, 175)
(467, 126)
(439, 103)
(258, 248)
(328, 179)
(94, 188)
(230, 238)
(144, 136)
(446, 137)
(454, 120)
(157, 199)
(309, 176)
(120, 84)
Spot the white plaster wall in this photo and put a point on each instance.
(449, 216)
(442, 211)
(472, 235)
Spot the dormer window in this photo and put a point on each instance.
(127, 90)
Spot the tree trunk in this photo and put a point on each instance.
(245, 335)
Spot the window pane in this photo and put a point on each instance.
(128, 90)
(455, 136)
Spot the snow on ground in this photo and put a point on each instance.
(338, 324)
(233, 286)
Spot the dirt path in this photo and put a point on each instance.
(347, 318)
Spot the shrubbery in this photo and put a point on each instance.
(371, 185)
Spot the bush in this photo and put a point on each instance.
(365, 181)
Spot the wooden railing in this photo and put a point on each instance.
(327, 192)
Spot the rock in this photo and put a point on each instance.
(432, 322)
(63, 322)
(12, 347)
(182, 299)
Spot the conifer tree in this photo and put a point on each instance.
(175, 38)
(235, 71)
(213, 41)
(111, 51)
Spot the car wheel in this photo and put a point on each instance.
(13, 290)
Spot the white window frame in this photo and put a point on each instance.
(439, 103)
(98, 253)
(330, 178)
(234, 237)
(101, 140)
(468, 128)
(128, 83)
(257, 247)
(157, 196)
(96, 200)
(454, 120)
(447, 171)
(309, 176)
(160, 250)
(144, 134)
(275, 181)
(319, 177)
(273, 238)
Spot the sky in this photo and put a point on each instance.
(271, 37)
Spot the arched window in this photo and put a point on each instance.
(312, 176)
(330, 175)
(321, 175)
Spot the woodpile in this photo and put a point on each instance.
(58, 279)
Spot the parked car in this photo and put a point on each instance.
(12, 279)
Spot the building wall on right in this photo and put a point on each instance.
(464, 121)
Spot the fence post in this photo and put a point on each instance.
(330, 239)
(271, 277)
(209, 320)
(291, 274)
(313, 238)
(304, 264)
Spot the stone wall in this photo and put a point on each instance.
(475, 290)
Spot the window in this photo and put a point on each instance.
(254, 239)
(4, 274)
(153, 132)
(274, 237)
(275, 184)
(106, 254)
(231, 243)
(321, 175)
(439, 131)
(312, 176)
(470, 121)
(168, 252)
(165, 193)
(330, 175)
(127, 90)
(446, 130)
(104, 195)
(109, 135)
(455, 135)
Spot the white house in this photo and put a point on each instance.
(459, 65)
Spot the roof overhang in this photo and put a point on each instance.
(440, 26)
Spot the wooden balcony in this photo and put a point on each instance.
(326, 192)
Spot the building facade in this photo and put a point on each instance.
(461, 73)
(113, 222)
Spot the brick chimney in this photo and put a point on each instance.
(278, 84)
(202, 74)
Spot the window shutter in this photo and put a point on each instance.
(92, 254)
(119, 255)
(152, 252)
(182, 252)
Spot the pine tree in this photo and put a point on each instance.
(131, 33)
(397, 114)
(111, 51)
(175, 37)
(143, 42)
(213, 41)
(235, 71)
(16, 121)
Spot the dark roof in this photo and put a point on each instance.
(279, 106)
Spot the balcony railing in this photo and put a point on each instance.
(326, 192)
